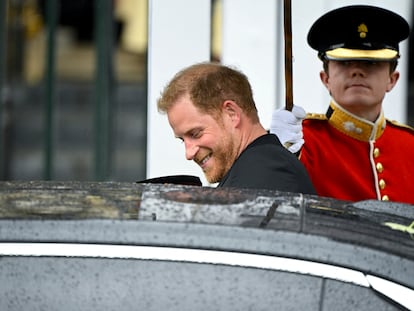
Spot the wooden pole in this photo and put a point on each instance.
(288, 53)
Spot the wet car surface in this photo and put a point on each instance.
(126, 246)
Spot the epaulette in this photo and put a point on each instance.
(398, 124)
(316, 116)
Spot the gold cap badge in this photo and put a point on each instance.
(362, 29)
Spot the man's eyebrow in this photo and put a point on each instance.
(191, 131)
(181, 136)
(178, 136)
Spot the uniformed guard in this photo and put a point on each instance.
(353, 152)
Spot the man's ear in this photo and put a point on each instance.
(393, 80)
(232, 110)
(324, 76)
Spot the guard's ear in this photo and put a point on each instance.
(324, 76)
(394, 76)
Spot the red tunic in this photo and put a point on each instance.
(352, 159)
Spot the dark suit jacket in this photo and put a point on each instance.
(266, 164)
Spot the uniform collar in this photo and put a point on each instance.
(354, 126)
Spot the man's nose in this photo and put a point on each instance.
(356, 67)
(190, 150)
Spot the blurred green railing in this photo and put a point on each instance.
(104, 47)
(51, 21)
(3, 40)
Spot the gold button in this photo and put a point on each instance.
(380, 168)
(376, 152)
(382, 184)
(385, 198)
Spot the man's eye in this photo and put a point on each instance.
(196, 134)
(362, 62)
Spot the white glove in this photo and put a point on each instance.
(287, 126)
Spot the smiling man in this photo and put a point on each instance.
(210, 107)
(352, 152)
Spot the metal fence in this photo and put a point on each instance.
(103, 86)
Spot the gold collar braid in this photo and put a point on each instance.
(354, 126)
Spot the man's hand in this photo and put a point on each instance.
(287, 125)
